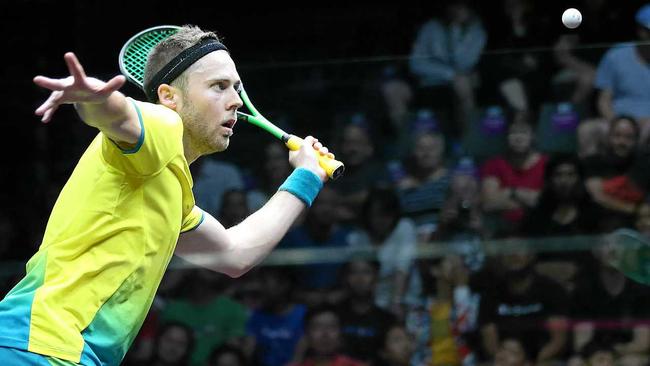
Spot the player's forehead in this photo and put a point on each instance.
(216, 65)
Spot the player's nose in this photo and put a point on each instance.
(235, 101)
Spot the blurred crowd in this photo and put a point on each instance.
(495, 128)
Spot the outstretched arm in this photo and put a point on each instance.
(236, 250)
(98, 103)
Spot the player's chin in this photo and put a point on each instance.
(220, 143)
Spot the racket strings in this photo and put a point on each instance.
(135, 55)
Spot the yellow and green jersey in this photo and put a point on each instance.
(108, 242)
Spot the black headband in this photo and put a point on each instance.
(180, 63)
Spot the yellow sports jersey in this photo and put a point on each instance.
(108, 242)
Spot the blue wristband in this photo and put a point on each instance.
(303, 184)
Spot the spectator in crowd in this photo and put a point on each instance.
(511, 352)
(461, 217)
(512, 183)
(445, 322)
(604, 172)
(275, 329)
(248, 291)
(610, 308)
(324, 340)
(423, 188)
(227, 355)
(595, 353)
(397, 96)
(622, 76)
(234, 208)
(173, 346)
(394, 239)
(362, 169)
(213, 178)
(397, 347)
(317, 282)
(621, 79)
(363, 323)
(143, 346)
(213, 317)
(443, 59)
(273, 171)
(565, 208)
(517, 77)
(524, 305)
(575, 56)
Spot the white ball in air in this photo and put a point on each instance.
(571, 18)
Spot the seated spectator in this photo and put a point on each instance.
(212, 179)
(234, 208)
(444, 323)
(511, 352)
(461, 218)
(604, 171)
(401, 144)
(611, 309)
(173, 346)
(423, 188)
(142, 349)
(595, 353)
(226, 355)
(565, 208)
(576, 62)
(275, 329)
(361, 169)
(512, 183)
(524, 305)
(519, 78)
(622, 76)
(213, 317)
(397, 347)
(321, 229)
(323, 339)
(397, 96)
(394, 239)
(363, 323)
(248, 290)
(274, 170)
(621, 79)
(443, 59)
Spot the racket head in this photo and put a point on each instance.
(629, 252)
(133, 55)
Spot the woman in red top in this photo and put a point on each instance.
(512, 183)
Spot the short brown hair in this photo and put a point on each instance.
(165, 51)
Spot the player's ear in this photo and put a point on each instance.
(168, 96)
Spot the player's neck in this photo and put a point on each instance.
(189, 150)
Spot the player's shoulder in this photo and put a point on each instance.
(157, 113)
(619, 50)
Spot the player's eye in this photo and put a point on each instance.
(221, 85)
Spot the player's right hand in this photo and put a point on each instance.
(307, 156)
(76, 88)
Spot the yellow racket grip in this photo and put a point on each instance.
(332, 167)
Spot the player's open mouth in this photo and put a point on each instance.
(230, 123)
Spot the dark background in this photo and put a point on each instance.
(274, 44)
